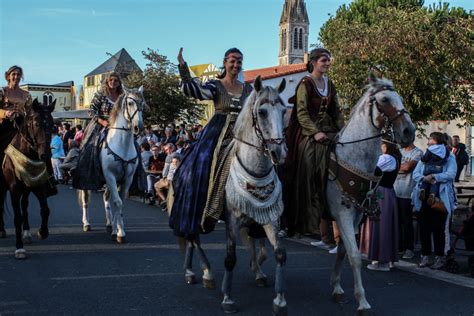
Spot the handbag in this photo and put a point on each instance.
(439, 206)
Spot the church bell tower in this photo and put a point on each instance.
(294, 28)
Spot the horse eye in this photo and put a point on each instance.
(384, 99)
(262, 113)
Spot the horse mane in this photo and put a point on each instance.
(116, 109)
(244, 120)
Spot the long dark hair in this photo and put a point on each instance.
(392, 150)
(226, 55)
(315, 54)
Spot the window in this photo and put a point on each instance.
(90, 81)
(295, 39)
(47, 98)
(300, 42)
(283, 36)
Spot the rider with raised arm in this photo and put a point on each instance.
(200, 179)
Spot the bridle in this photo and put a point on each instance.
(126, 111)
(27, 126)
(387, 127)
(264, 142)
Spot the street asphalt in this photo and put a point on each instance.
(77, 273)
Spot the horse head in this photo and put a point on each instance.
(391, 117)
(133, 105)
(265, 110)
(38, 127)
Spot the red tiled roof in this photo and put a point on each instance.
(273, 72)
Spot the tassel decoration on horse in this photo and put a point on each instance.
(31, 172)
(257, 198)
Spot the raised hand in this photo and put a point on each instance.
(180, 57)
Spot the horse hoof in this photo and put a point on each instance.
(108, 229)
(86, 228)
(3, 234)
(114, 237)
(208, 284)
(280, 310)
(190, 279)
(121, 240)
(43, 234)
(364, 312)
(27, 240)
(20, 254)
(229, 308)
(261, 282)
(339, 298)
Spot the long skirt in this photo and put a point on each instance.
(198, 184)
(307, 187)
(88, 173)
(379, 239)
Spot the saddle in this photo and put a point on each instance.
(32, 172)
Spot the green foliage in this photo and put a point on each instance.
(165, 100)
(427, 52)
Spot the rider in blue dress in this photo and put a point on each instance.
(199, 182)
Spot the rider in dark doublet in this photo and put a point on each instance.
(88, 166)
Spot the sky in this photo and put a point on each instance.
(62, 40)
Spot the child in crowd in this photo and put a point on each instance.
(434, 159)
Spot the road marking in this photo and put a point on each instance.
(36, 249)
(13, 303)
(412, 267)
(118, 276)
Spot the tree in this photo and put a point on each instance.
(161, 90)
(427, 52)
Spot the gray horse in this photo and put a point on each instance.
(253, 190)
(253, 194)
(358, 148)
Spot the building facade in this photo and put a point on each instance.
(294, 30)
(120, 62)
(64, 93)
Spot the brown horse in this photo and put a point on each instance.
(32, 143)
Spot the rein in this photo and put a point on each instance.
(369, 203)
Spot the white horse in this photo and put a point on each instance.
(358, 148)
(119, 158)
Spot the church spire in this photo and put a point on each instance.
(294, 10)
(294, 27)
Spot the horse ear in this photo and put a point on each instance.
(51, 106)
(258, 84)
(282, 86)
(124, 88)
(372, 77)
(140, 89)
(35, 105)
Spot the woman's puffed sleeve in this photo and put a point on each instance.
(308, 126)
(193, 87)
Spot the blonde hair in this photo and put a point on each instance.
(104, 88)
